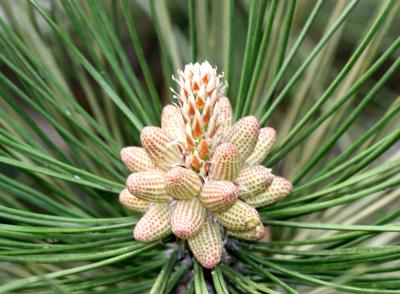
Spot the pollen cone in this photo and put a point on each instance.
(244, 134)
(187, 218)
(254, 234)
(221, 119)
(182, 183)
(172, 123)
(155, 223)
(239, 217)
(266, 139)
(207, 245)
(278, 190)
(253, 180)
(136, 159)
(218, 195)
(161, 148)
(133, 203)
(148, 186)
(225, 162)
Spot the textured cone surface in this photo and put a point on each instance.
(155, 224)
(207, 245)
(278, 190)
(148, 186)
(182, 183)
(218, 195)
(133, 203)
(225, 162)
(223, 117)
(161, 147)
(244, 134)
(187, 218)
(266, 139)
(254, 234)
(136, 159)
(239, 217)
(253, 180)
(172, 123)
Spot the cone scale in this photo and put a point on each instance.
(199, 174)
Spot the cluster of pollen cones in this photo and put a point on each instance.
(200, 176)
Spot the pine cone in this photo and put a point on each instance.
(191, 172)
